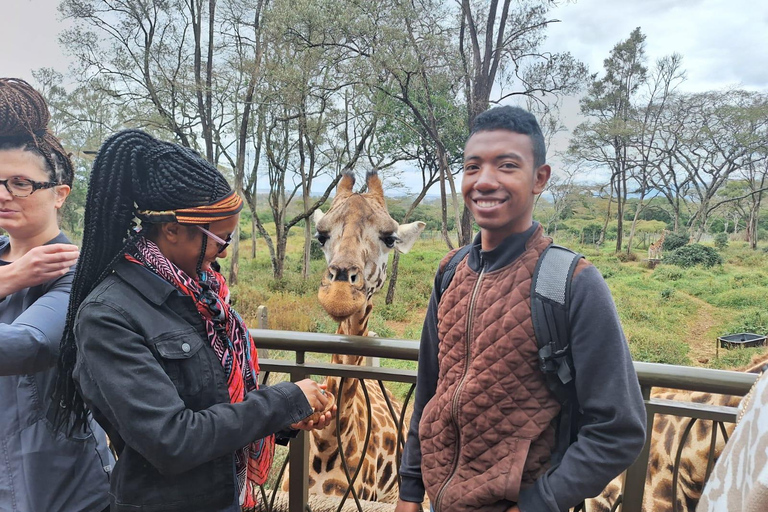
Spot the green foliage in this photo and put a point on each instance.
(667, 293)
(736, 358)
(667, 273)
(625, 257)
(695, 254)
(721, 240)
(674, 241)
(754, 321)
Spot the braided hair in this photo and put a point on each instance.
(24, 118)
(132, 171)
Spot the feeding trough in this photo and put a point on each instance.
(741, 340)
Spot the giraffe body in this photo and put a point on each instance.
(655, 249)
(667, 435)
(356, 235)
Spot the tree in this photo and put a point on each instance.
(504, 41)
(719, 134)
(667, 75)
(605, 141)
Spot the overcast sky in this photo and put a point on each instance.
(723, 42)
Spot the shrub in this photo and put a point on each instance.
(721, 240)
(316, 252)
(624, 257)
(749, 322)
(667, 293)
(673, 241)
(695, 254)
(667, 273)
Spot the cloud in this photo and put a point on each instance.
(723, 42)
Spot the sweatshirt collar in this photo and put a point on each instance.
(505, 253)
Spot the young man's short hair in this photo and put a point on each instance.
(517, 120)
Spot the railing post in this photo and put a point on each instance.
(262, 322)
(298, 453)
(634, 483)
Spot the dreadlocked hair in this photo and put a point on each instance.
(24, 119)
(132, 171)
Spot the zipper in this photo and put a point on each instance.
(455, 404)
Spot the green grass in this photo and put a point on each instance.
(658, 307)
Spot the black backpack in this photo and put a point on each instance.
(550, 303)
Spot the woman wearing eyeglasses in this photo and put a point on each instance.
(155, 351)
(40, 469)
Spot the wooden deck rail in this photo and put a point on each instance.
(649, 374)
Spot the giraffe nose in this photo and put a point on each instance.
(336, 273)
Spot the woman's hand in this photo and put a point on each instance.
(513, 508)
(40, 264)
(324, 421)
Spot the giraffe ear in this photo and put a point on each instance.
(317, 216)
(408, 234)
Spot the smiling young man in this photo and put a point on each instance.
(482, 435)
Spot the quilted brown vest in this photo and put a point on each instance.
(487, 430)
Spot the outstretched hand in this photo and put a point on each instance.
(40, 264)
(319, 401)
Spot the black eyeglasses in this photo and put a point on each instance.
(23, 187)
(223, 244)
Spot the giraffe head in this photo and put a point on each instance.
(356, 235)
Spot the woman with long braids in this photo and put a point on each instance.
(152, 345)
(40, 469)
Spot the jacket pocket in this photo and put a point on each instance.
(515, 463)
(184, 359)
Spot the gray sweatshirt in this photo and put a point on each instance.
(42, 470)
(613, 427)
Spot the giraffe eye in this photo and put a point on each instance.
(390, 240)
(321, 238)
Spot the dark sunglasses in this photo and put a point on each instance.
(223, 244)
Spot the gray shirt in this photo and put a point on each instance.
(40, 469)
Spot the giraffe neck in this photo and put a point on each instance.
(355, 325)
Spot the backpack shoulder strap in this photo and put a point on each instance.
(550, 304)
(450, 269)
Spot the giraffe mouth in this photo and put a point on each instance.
(341, 300)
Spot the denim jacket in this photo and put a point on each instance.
(42, 470)
(152, 380)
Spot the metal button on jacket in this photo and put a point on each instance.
(185, 347)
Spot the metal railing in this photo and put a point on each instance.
(650, 375)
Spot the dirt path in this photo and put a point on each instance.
(702, 332)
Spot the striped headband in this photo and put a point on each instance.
(220, 210)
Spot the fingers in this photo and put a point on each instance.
(315, 394)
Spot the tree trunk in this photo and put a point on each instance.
(444, 211)
(234, 257)
(254, 230)
(307, 246)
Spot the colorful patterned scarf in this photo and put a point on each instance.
(233, 345)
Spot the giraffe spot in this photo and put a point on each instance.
(334, 487)
(668, 440)
(380, 461)
(661, 423)
(663, 491)
(386, 474)
(702, 430)
(311, 481)
(389, 443)
(330, 464)
(317, 464)
(323, 445)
